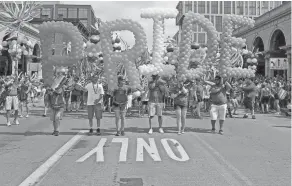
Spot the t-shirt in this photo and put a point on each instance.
(120, 94)
(218, 98)
(182, 98)
(157, 93)
(207, 91)
(12, 89)
(94, 93)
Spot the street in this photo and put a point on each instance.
(251, 152)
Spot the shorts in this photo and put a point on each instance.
(155, 108)
(180, 107)
(265, 100)
(218, 112)
(144, 102)
(94, 110)
(75, 98)
(248, 103)
(56, 114)
(120, 110)
(11, 103)
(206, 100)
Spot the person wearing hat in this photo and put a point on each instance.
(157, 93)
(120, 99)
(95, 94)
(218, 102)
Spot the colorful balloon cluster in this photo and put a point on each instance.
(185, 46)
(17, 48)
(70, 33)
(158, 67)
(128, 57)
(251, 59)
(228, 42)
(117, 46)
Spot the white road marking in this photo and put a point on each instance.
(36, 176)
(181, 150)
(124, 147)
(98, 150)
(229, 165)
(151, 149)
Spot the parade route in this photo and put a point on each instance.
(251, 152)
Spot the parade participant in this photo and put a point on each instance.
(25, 88)
(197, 92)
(46, 100)
(144, 100)
(12, 100)
(235, 97)
(250, 91)
(180, 95)
(206, 93)
(218, 102)
(276, 91)
(157, 93)
(264, 97)
(129, 103)
(94, 103)
(56, 103)
(120, 99)
(229, 103)
(75, 95)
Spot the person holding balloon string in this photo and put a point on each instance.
(120, 101)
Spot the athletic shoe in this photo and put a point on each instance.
(182, 131)
(98, 131)
(221, 132)
(118, 133)
(27, 116)
(16, 122)
(245, 116)
(161, 130)
(8, 124)
(122, 133)
(213, 131)
(150, 131)
(253, 117)
(56, 133)
(21, 116)
(90, 131)
(179, 132)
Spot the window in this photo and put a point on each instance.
(188, 6)
(259, 7)
(207, 16)
(221, 7)
(252, 8)
(213, 19)
(195, 27)
(201, 7)
(277, 3)
(72, 12)
(208, 7)
(227, 7)
(83, 13)
(233, 7)
(265, 6)
(201, 38)
(271, 5)
(219, 23)
(46, 12)
(195, 37)
(214, 7)
(62, 12)
(195, 6)
(200, 29)
(239, 7)
(84, 22)
(246, 8)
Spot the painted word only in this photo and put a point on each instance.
(142, 145)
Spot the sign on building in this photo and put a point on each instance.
(278, 63)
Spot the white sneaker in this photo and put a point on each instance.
(161, 130)
(27, 116)
(179, 132)
(16, 122)
(8, 124)
(150, 131)
(21, 116)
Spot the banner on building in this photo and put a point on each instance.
(278, 63)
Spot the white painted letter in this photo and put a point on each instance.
(184, 155)
(124, 148)
(98, 150)
(151, 149)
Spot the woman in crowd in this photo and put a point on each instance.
(265, 97)
(180, 95)
(144, 100)
(24, 90)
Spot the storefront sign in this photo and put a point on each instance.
(278, 63)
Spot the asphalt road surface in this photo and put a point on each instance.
(251, 152)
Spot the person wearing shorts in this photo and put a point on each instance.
(144, 99)
(157, 93)
(12, 101)
(23, 96)
(265, 97)
(76, 95)
(120, 99)
(218, 102)
(56, 103)
(180, 95)
(94, 103)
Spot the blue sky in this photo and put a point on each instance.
(112, 10)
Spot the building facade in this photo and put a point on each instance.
(271, 36)
(214, 11)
